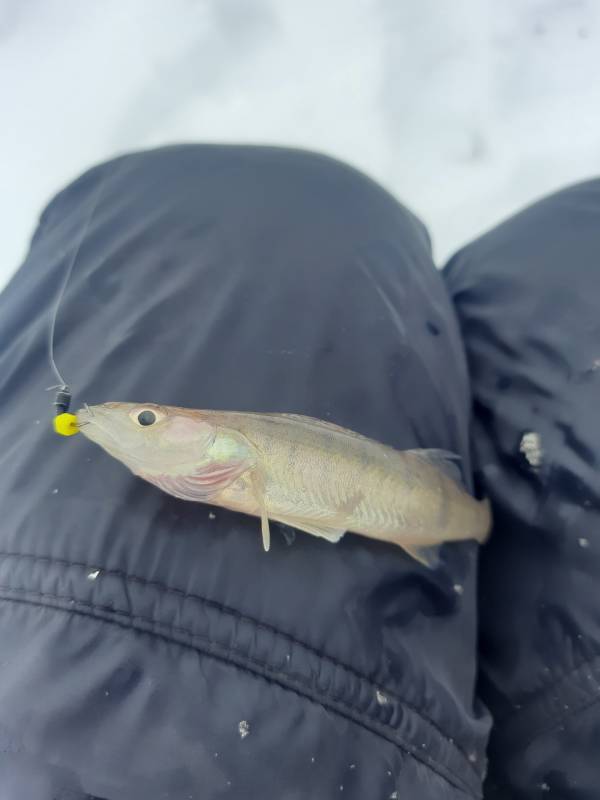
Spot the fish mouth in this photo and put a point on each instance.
(84, 417)
(90, 421)
(88, 417)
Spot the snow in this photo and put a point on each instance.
(381, 697)
(466, 111)
(531, 447)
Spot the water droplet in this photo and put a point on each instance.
(389, 773)
(394, 796)
(211, 515)
(228, 783)
(583, 542)
(472, 757)
(37, 422)
(458, 588)
(544, 787)
(531, 447)
(216, 755)
(342, 787)
(381, 698)
(312, 759)
(244, 728)
(106, 693)
(352, 766)
(91, 576)
(54, 491)
(288, 657)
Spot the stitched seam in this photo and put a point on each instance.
(244, 618)
(230, 656)
(557, 721)
(547, 721)
(509, 719)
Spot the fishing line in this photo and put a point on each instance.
(62, 401)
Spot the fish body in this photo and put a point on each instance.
(304, 472)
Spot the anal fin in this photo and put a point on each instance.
(314, 527)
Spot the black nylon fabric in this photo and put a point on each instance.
(528, 297)
(150, 649)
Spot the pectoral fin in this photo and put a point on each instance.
(201, 484)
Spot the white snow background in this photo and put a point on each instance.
(465, 109)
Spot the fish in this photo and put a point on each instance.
(312, 475)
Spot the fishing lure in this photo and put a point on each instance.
(65, 423)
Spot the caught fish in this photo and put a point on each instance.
(303, 472)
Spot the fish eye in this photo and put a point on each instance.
(146, 416)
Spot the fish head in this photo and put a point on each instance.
(149, 438)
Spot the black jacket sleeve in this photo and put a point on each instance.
(150, 648)
(528, 297)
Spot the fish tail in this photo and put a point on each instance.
(484, 520)
(428, 556)
(478, 529)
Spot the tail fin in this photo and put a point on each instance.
(428, 556)
(485, 510)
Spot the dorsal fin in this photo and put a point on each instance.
(318, 425)
(444, 460)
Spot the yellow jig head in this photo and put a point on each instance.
(64, 423)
